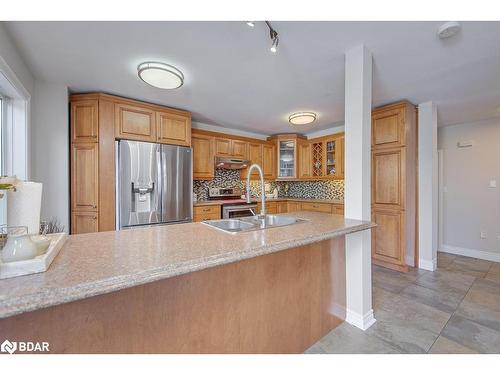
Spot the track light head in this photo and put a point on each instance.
(274, 46)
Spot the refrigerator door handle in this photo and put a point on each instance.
(159, 181)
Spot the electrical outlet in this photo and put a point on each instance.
(483, 234)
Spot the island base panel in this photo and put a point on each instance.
(277, 303)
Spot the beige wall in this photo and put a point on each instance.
(469, 204)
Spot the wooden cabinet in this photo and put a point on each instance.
(255, 157)
(231, 147)
(96, 121)
(394, 168)
(304, 160)
(317, 207)
(84, 222)
(203, 157)
(282, 207)
(327, 157)
(271, 207)
(269, 161)
(338, 209)
(135, 122)
(209, 212)
(84, 121)
(84, 177)
(287, 158)
(293, 206)
(173, 129)
(388, 236)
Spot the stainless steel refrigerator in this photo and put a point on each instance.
(154, 184)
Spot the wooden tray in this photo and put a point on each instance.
(38, 264)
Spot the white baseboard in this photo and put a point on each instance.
(357, 320)
(428, 265)
(473, 253)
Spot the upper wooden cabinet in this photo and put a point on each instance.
(84, 176)
(84, 121)
(327, 157)
(255, 157)
(203, 157)
(390, 125)
(231, 147)
(304, 160)
(269, 161)
(173, 129)
(135, 123)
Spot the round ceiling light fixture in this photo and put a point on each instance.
(160, 75)
(302, 118)
(448, 29)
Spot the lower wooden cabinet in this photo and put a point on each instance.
(201, 213)
(293, 206)
(84, 222)
(282, 207)
(388, 236)
(317, 207)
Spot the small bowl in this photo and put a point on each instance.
(42, 243)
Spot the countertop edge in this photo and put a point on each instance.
(51, 298)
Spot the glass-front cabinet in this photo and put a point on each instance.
(328, 157)
(286, 158)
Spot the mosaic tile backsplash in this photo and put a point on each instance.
(225, 178)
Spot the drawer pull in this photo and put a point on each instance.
(206, 209)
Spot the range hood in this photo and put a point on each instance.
(228, 162)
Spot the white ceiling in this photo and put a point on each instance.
(232, 79)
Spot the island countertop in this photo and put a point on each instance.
(98, 263)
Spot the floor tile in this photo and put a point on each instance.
(494, 273)
(315, 349)
(414, 313)
(381, 297)
(444, 301)
(472, 335)
(399, 333)
(444, 259)
(446, 282)
(470, 266)
(482, 304)
(389, 282)
(446, 346)
(347, 339)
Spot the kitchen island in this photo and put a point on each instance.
(186, 288)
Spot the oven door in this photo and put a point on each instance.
(235, 211)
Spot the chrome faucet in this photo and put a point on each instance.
(262, 189)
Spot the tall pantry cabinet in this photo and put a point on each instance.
(394, 185)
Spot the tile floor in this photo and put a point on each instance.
(455, 309)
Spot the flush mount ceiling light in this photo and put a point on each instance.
(302, 118)
(448, 29)
(160, 75)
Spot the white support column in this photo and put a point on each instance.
(427, 186)
(357, 199)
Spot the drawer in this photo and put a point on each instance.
(206, 210)
(202, 217)
(338, 209)
(318, 207)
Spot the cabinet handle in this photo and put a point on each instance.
(206, 209)
(94, 218)
(94, 206)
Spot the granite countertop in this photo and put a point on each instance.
(312, 200)
(97, 263)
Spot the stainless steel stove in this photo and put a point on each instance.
(233, 205)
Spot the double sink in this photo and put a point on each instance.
(247, 224)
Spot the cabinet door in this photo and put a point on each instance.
(388, 128)
(84, 222)
(135, 123)
(239, 148)
(388, 178)
(84, 177)
(293, 206)
(84, 121)
(173, 129)
(203, 157)
(338, 209)
(287, 158)
(282, 207)
(388, 242)
(269, 161)
(255, 157)
(222, 147)
(305, 160)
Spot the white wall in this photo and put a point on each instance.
(469, 204)
(50, 149)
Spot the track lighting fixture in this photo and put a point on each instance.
(273, 34)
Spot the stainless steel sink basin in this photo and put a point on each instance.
(246, 224)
